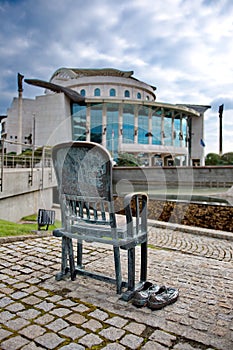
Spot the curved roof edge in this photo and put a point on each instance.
(73, 95)
(76, 72)
(73, 73)
(198, 108)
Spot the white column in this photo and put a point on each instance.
(120, 130)
(173, 128)
(88, 123)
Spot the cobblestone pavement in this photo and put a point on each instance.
(37, 312)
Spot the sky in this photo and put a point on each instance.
(183, 47)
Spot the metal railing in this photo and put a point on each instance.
(39, 158)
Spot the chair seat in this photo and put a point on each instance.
(105, 234)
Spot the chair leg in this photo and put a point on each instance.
(143, 262)
(71, 258)
(131, 268)
(80, 255)
(64, 257)
(117, 261)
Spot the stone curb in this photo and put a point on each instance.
(192, 229)
(37, 234)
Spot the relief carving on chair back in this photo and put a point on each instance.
(82, 171)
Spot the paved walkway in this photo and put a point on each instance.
(37, 312)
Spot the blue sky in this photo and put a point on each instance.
(183, 47)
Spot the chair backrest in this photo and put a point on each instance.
(84, 176)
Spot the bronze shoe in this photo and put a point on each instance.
(141, 297)
(159, 300)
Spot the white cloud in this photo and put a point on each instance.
(183, 47)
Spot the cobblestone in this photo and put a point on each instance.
(163, 338)
(14, 343)
(90, 340)
(112, 333)
(49, 340)
(132, 341)
(72, 332)
(38, 312)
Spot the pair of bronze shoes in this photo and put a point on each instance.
(154, 296)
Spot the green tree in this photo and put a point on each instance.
(127, 159)
(227, 158)
(216, 159)
(213, 159)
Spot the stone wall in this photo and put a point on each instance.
(217, 217)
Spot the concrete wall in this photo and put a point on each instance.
(53, 122)
(15, 207)
(51, 115)
(19, 197)
(197, 151)
(134, 178)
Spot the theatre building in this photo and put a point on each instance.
(110, 107)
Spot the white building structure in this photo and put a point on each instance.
(110, 107)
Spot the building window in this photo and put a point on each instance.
(143, 125)
(78, 122)
(156, 127)
(128, 123)
(96, 123)
(112, 128)
(83, 92)
(112, 92)
(139, 96)
(127, 93)
(97, 92)
(168, 129)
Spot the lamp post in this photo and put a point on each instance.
(220, 111)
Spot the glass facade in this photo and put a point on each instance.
(143, 125)
(156, 127)
(128, 123)
(167, 135)
(119, 123)
(78, 121)
(112, 131)
(96, 123)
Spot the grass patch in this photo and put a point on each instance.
(32, 217)
(8, 228)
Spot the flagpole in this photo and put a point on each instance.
(20, 110)
(220, 111)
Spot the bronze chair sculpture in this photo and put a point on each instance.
(84, 177)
